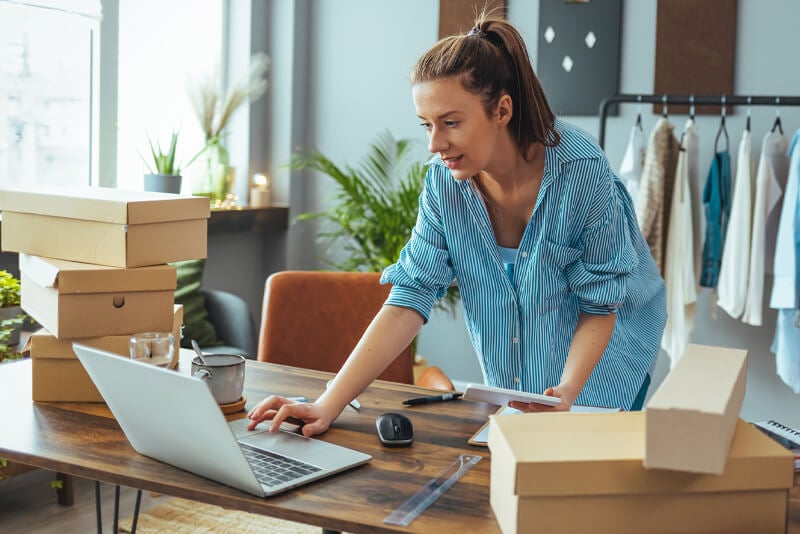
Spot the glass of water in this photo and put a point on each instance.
(155, 348)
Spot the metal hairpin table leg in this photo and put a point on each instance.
(98, 508)
(116, 510)
(136, 511)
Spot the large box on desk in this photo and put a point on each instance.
(75, 300)
(692, 415)
(576, 472)
(105, 226)
(58, 375)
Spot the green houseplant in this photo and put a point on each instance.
(165, 173)
(11, 316)
(375, 207)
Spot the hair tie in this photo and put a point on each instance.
(476, 31)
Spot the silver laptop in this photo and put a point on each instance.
(173, 418)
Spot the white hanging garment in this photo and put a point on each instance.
(630, 171)
(769, 188)
(679, 274)
(735, 266)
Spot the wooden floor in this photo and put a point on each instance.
(28, 505)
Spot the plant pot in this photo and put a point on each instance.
(162, 183)
(11, 312)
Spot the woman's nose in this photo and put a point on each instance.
(436, 141)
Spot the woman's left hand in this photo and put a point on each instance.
(561, 391)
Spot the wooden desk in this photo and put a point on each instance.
(84, 440)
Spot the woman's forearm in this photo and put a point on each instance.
(392, 329)
(588, 345)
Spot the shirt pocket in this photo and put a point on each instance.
(553, 282)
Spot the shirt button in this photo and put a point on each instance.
(523, 254)
(515, 340)
(516, 379)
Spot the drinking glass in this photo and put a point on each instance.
(155, 348)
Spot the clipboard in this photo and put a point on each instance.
(481, 437)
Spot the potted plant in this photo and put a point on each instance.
(214, 108)
(11, 316)
(165, 174)
(375, 207)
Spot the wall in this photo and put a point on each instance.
(350, 65)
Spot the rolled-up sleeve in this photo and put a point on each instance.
(424, 271)
(599, 276)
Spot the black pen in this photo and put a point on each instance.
(434, 398)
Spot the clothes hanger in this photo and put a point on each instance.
(664, 112)
(747, 125)
(691, 108)
(639, 113)
(777, 124)
(722, 129)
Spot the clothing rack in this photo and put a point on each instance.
(692, 100)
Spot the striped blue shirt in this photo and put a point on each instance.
(581, 251)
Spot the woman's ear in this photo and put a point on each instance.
(504, 110)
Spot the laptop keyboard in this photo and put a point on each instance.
(272, 469)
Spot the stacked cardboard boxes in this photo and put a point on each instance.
(93, 265)
(685, 464)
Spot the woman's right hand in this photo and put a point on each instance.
(314, 419)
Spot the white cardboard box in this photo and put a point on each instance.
(692, 415)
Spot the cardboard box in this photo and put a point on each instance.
(692, 415)
(58, 375)
(105, 226)
(583, 472)
(76, 300)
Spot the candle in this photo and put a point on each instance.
(260, 193)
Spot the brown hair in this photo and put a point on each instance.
(492, 60)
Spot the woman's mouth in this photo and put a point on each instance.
(452, 162)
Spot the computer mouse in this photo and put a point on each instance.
(395, 429)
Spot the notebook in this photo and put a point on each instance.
(785, 435)
(173, 418)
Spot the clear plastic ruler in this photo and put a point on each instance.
(427, 495)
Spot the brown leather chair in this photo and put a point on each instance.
(314, 319)
(434, 377)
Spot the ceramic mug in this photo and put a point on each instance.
(224, 375)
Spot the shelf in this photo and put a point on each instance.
(247, 219)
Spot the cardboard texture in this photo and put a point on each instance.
(583, 472)
(58, 375)
(77, 300)
(692, 416)
(105, 226)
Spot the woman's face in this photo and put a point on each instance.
(459, 129)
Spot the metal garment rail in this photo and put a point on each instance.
(699, 100)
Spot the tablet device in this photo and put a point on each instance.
(501, 397)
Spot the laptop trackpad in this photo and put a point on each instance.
(239, 427)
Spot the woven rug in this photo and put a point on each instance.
(178, 516)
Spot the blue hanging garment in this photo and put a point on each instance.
(717, 206)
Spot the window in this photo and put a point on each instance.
(48, 51)
(163, 48)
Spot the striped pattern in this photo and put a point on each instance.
(581, 251)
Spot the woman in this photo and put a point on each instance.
(560, 292)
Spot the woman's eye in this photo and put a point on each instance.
(426, 125)
(451, 124)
